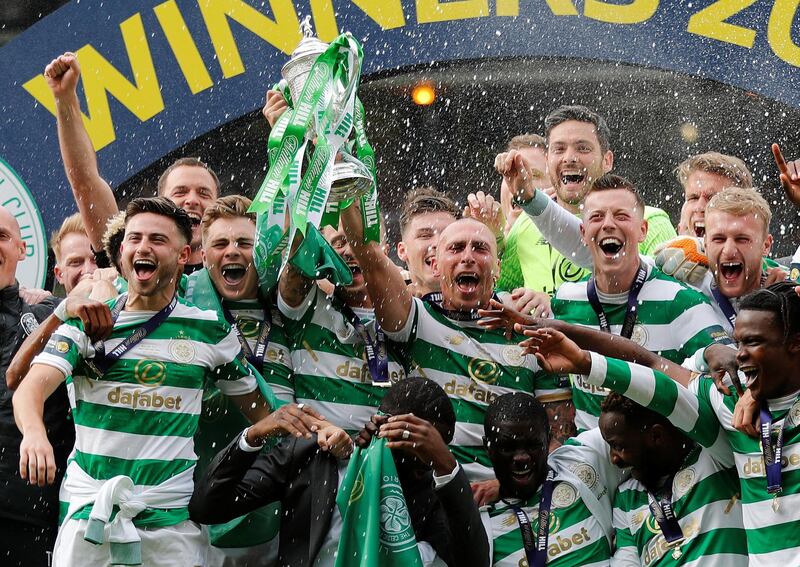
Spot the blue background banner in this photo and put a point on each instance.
(157, 74)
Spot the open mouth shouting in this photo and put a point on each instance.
(194, 217)
(572, 178)
(521, 474)
(467, 282)
(750, 374)
(731, 271)
(699, 228)
(611, 246)
(233, 273)
(144, 268)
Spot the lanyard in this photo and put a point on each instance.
(772, 453)
(536, 551)
(377, 355)
(725, 305)
(663, 511)
(255, 358)
(103, 360)
(435, 300)
(630, 312)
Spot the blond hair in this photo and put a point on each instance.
(739, 202)
(527, 141)
(112, 238)
(72, 224)
(730, 167)
(230, 207)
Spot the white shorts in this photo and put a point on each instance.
(181, 545)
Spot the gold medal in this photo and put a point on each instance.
(775, 504)
(677, 553)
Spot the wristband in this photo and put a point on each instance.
(61, 311)
(245, 446)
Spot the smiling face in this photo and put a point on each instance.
(765, 357)
(193, 189)
(518, 451)
(575, 160)
(76, 260)
(735, 246)
(613, 226)
(466, 265)
(418, 247)
(152, 254)
(228, 256)
(700, 187)
(630, 447)
(12, 248)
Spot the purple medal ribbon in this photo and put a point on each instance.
(725, 305)
(255, 358)
(377, 354)
(772, 453)
(630, 312)
(536, 551)
(103, 360)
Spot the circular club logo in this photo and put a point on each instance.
(15, 197)
(396, 532)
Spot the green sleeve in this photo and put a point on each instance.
(687, 411)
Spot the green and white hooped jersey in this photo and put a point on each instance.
(705, 496)
(140, 417)
(277, 368)
(705, 415)
(672, 320)
(580, 531)
(473, 366)
(329, 361)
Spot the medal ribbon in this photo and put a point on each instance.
(102, 360)
(536, 551)
(725, 305)
(255, 358)
(377, 353)
(772, 453)
(664, 513)
(630, 312)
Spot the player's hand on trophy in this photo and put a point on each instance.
(274, 106)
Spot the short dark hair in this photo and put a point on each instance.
(164, 207)
(782, 300)
(188, 162)
(515, 407)
(636, 416)
(610, 181)
(425, 399)
(580, 114)
(424, 200)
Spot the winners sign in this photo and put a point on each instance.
(157, 74)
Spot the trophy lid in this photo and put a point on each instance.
(310, 44)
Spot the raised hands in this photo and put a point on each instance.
(789, 175)
(62, 74)
(484, 208)
(520, 176)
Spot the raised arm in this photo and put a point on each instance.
(649, 388)
(387, 289)
(93, 195)
(558, 226)
(37, 461)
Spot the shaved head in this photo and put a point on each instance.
(12, 248)
(468, 225)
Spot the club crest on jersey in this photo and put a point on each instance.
(513, 356)
(564, 495)
(28, 323)
(639, 335)
(683, 482)
(455, 340)
(586, 474)
(181, 350)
